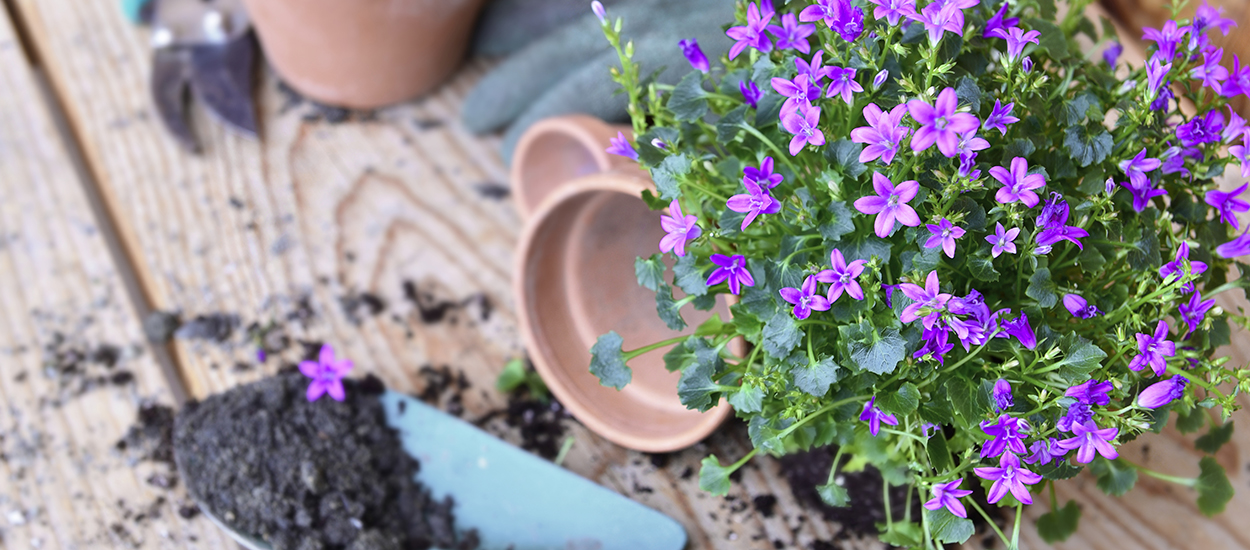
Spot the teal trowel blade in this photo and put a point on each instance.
(515, 499)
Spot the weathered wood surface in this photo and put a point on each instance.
(62, 483)
(323, 211)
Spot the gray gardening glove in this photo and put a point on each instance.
(566, 70)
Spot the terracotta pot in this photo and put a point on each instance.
(558, 150)
(574, 280)
(363, 53)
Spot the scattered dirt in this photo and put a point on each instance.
(271, 463)
(357, 305)
(79, 368)
(216, 327)
(432, 309)
(808, 469)
(492, 190)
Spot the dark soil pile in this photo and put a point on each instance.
(310, 476)
(808, 469)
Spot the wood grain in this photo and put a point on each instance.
(62, 483)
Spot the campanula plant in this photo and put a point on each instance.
(961, 246)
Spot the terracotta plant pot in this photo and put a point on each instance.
(574, 280)
(363, 53)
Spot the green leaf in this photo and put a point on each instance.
(1042, 289)
(939, 452)
(1052, 39)
(677, 357)
(1146, 256)
(1084, 148)
(949, 528)
(728, 127)
(900, 402)
(844, 154)
(1114, 477)
(511, 377)
(668, 175)
(904, 534)
(1214, 490)
(1058, 471)
(1091, 260)
(748, 399)
(1214, 439)
(969, 93)
(982, 269)
(1080, 357)
(1190, 421)
(689, 277)
(875, 351)
(607, 361)
(781, 334)
(1058, 525)
(1077, 108)
(1019, 147)
(839, 224)
(815, 379)
(667, 308)
(834, 495)
(650, 272)
(713, 477)
(695, 387)
(964, 398)
(688, 101)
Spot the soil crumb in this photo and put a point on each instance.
(492, 190)
(808, 469)
(326, 474)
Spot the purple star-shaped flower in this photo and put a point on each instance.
(1137, 167)
(791, 35)
(939, 123)
(1002, 240)
(694, 54)
(1020, 328)
(1205, 18)
(890, 204)
(1154, 350)
(799, 91)
(1079, 307)
(968, 163)
(1056, 225)
(1077, 414)
(804, 123)
(1201, 129)
(1162, 393)
(805, 299)
(327, 375)
(882, 136)
(929, 300)
(1210, 72)
(732, 269)
(826, 10)
(1238, 80)
(1194, 311)
(815, 70)
(620, 146)
(1142, 195)
(935, 343)
(1000, 117)
(1009, 476)
(842, 277)
(968, 146)
(893, 10)
(1002, 395)
(1004, 434)
(939, 18)
(751, 93)
(1156, 69)
(752, 34)
(999, 22)
(1091, 392)
(1160, 102)
(1088, 438)
(1176, 266)
(1239, 246)
(838, 15)
(944, 234)
(764, 175)
(842, 82)
(1167, 39)
(1112, 53)
(680, 228)
(1018, 184)
(948, 495)
(1236, 128)
(1016, 39)
(875, 417)
(1045, 452)
(754, 202)
(1228, 204)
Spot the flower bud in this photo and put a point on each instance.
(1027, 64)
(878, 80)
(597, 8)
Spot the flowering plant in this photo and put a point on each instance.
(962, 250)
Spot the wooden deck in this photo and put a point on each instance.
(103, 219)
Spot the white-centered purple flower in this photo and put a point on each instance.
(1143, 195)
(1177, 265)
(1011, 477)
(751, 93)
(1162, 393)
(1017, 39)
(842, 277)
(1000, 117)
(620, 146)
(1006, 434)
(327, 375)
(1201, 129)
(1155, 349)
(1137, 167)
(882, 136)
(1112, 54)
(1053, 223)
(1079, 307)
(943, 234)
(804, 123)
(1002, 395)
(805, 299)
(939, 123)
(799, 91)
(764, 175)
(947, 495)
(1166, 38)
(1091, 392)
(969, 144)
(928, 301)
(1088, 439)
(694, 54)
(1077, 414)
(996, 26)
(939, 18)
(847, 20)
(876, 417)
(842, 82)
(1194, 311)
(791, 35)
(815, 69)
(1018, 184)
(1239, 246)
(1156, 69)
(754, 202)
(890, 204)
(1210, 72)
(679, 228)
(731, 270)
(893, 10)
(752, 34)
(1045, 451)
(1228, 204)
(1002, 240)
(935, 343)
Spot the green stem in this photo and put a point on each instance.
(993, 525)
(635, 353)
(1186, 481)
(904, 434)
(776, 150)
(1015, 532)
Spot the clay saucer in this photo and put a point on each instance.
(558, 150)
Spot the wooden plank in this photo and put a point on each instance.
(62, 483)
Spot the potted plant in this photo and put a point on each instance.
(967, 251)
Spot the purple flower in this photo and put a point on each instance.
(1045, 452)
(1078, 307)
(327, 375)
(1228, 204)
(1239, 246)
(1000, 117)
(815, 70)
(882, 136)
(929, 301)
(1153, 350)
(763, 176)
(1236, 127)
(754, 202)
(1009, 476)
(799, 91)
(804, 124)
(969, 144)
(1210, 72)
(1088, 439)
(1142, 195)
(1205, 18)
(791, 35)
(805, 299)
(874, 417)
(1137, 167)
(1005, 434)
(1017, 39)
(1160, 103)
(948, 495)
(751, 93)
(944, 234)
(1194, 311)
(842, 82)
(892, 10)
(732, 269)
(596, 7)
(1002, 395)
(935, 343)
(1003, 240)
(967, 163)
(1155, 71)
(1112, 53)
(1021, 329)
(851, 22)
(261, 355)
(1238, 81)
(1162, 393)
(1201, 129)
(842, 277)
(878, 80)
(680, 228)
(838, 15)
(690, 49)
(619, 145)
(1078, 413)
(751, 34)
(997, 25)
(1167, 38)
(939, 18)
(1018, 184)
(890, 204)
(1176, 266)
(1055, 223)
(1027, 64)
(889, 294)
(1091, 392)
(928, 429)
(939, 123)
